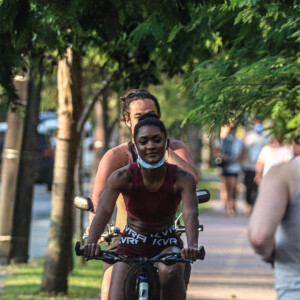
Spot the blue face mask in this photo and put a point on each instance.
(147, 165)
(151, 166)
(258, 128)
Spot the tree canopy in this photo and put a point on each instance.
(255, 69)
(238, 58)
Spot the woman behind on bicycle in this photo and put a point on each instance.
(152, 191)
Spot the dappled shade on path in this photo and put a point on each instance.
(230, 270)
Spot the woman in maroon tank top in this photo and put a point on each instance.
(152, 191)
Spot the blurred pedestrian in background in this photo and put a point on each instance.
(275, 224)
(254, 140)
(272, 154)
(228, 152)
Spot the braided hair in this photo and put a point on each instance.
(133, 95)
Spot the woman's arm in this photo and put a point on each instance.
(269, 209)
(187, 187)
(117, 182)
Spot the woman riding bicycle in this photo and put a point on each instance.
(152, 190)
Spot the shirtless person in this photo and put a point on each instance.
(275, 223)
(135, 104)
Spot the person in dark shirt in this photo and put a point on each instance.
(151, 177)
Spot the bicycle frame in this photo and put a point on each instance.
(144, 288)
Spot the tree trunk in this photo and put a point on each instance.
(78, 189)
(59, 252)
(99, 137)
(207, 151)
(195, 144)
(27, 175)
(10, 171)
(105, 120)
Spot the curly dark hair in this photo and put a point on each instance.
(136, 94)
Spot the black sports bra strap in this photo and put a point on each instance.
(132, 150)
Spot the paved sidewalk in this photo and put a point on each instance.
(230, 270)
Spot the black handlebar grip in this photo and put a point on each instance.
(203, 195)
(78, 249)
(201, 253)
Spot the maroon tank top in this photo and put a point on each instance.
(151, 207)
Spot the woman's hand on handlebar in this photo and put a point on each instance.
(91, 250)
(189, 253)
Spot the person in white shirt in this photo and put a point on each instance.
(271, 155)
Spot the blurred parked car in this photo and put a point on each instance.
(47, 115)
(45, 162)
(49, 126)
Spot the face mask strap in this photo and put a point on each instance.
(136, 150)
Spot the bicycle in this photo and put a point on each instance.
(147, 280)
(147, 283)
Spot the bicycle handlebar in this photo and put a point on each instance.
(112, 257)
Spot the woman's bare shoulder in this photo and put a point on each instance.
(121, 178)
(184, 175)
(122, 173)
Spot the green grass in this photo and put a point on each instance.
(212, 187)
(24, 281)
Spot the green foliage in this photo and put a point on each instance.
(114, 28)
(174, 105)
(253, 69)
